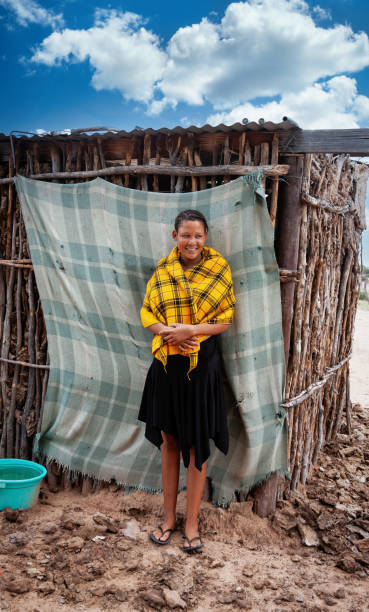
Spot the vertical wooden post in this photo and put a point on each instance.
(287, 249)
(265, 496)
(287, 238)
(274, 198)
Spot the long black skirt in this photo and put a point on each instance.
(193, 411)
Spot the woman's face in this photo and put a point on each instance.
(190, 239)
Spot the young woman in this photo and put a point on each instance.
(189, 301)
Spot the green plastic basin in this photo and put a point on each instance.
(19, 483)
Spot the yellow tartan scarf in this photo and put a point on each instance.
(202, 294)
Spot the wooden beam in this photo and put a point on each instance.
(315, 386)
(39, 366)
(233, 169)
(16, 264)
(353, 142)
(319, 203)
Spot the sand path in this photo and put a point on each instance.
(359, 363)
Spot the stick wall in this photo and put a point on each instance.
(317, 210)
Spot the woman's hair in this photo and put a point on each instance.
(190, 215)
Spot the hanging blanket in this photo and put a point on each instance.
(94, 246)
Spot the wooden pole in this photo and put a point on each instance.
(287, 241)
(202, 171)
(265, 496)
(274, 199)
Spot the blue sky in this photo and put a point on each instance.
(75, 64)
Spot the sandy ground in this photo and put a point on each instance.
(359, 363)
(74, 552)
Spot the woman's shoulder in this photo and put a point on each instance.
(168, 259)
(162, 263)
(216, 255)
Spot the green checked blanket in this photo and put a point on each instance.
(94, 246)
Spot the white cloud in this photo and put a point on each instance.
(332, 104)
(362, 107)
(29, 11)
(259, 48)
(321, 13)
(124, 55)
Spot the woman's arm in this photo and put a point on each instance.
(178, 333)
(158, 328)
(210, 329)
(186, 345)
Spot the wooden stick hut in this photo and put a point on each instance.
(316, 204)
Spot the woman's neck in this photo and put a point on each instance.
(187, 266)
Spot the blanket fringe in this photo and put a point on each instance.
(129, 488)
(73, 476)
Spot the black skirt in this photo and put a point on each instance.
(193, 411)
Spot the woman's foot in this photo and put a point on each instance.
(164, 531)
(192, 538)
(193, 544)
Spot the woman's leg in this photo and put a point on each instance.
(170, 456)
(195, 488)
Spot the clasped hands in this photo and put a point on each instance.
(180, 335)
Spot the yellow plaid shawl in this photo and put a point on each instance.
(202, 294)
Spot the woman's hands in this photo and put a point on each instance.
(180, 335)
(176, 333)
(183, 336)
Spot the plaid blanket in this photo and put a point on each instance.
(94, 246)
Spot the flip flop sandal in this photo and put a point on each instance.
(158, 540)
(190, 547)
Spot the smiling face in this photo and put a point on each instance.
(190, 239)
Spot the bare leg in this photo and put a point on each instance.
(195, 488)
(170, 455)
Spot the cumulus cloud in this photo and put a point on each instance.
(332, 104)
(124, 55)
(259, 48)
(321, 13)
(27, 12)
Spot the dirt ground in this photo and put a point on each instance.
(74, 552)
